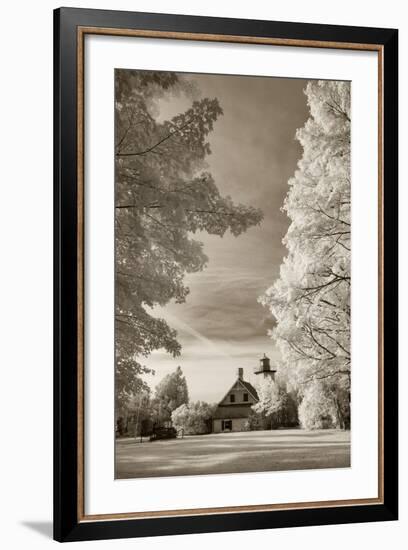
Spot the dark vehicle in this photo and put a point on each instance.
(163, 433)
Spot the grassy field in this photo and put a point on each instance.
(233, 452)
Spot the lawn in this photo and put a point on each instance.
(233, 452)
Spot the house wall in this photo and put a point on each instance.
(216, 426)
(238, 410)
(238, 424)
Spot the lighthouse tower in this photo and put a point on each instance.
(265, 368)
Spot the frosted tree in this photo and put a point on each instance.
(276, 406)
(193, 418)
(311, 298)
(317, 409)
(271, 397)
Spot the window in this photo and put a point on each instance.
(232, 398)
(245, 397)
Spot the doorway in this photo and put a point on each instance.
(226, 425)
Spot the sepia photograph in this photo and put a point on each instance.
(232, 274)
(225, 274)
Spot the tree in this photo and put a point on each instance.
(270, 397)
(311, 298)
(163, 195)
(193, 418)
(317, 409)
(276, 406)
(256, 421)
(133, 413)
(171, 392)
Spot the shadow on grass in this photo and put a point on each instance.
(193, 448)
(234, 452)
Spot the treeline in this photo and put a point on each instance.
(278, 407)
(315, 407)
(145, 412)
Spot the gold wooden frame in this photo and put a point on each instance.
(81, 33)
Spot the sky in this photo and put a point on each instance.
(221, 326)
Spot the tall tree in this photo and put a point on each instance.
(171, 393)
(163, 196)
(311, 298)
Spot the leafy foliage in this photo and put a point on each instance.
(311, 298)
(276, 406)
(255, 421)
(317, 409)
(193, 418)
(171, 392)
(134, 413)
(270, 397)
(163, 195)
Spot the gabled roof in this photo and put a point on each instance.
(249, 387)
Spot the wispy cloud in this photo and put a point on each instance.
(221, 326)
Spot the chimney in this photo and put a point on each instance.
(240, 373)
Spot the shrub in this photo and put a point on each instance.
(193, 418)
(318, 409)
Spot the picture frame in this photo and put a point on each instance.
(71, 27)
